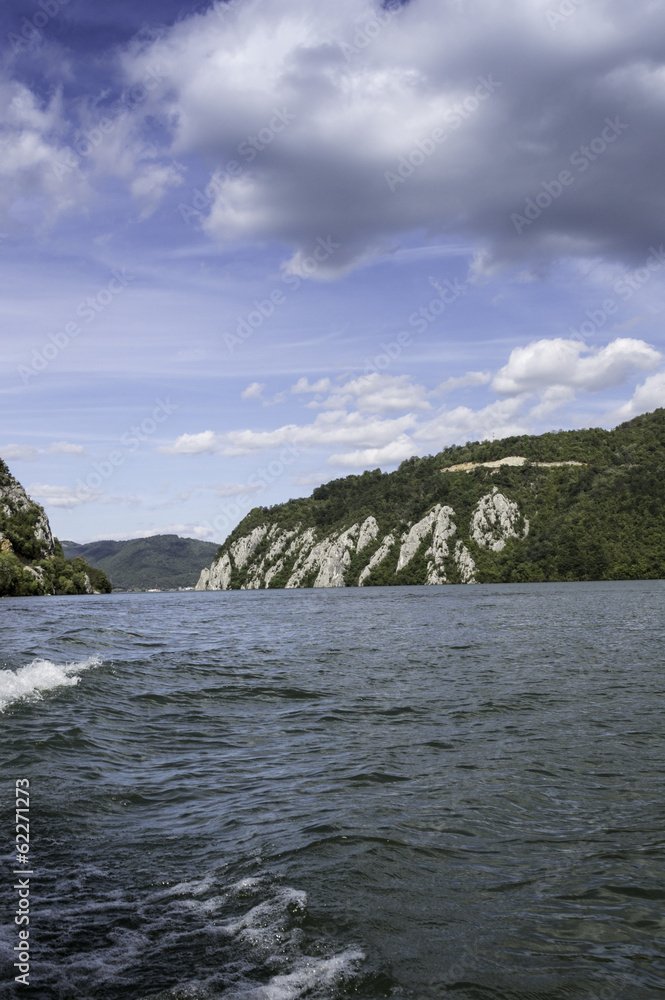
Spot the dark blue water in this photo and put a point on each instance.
(401, 792)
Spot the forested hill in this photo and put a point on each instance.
(159, 562)
(601, 516)
(32, 562)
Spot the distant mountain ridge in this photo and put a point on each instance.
(567, 505)
(161, 562)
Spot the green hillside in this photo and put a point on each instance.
(32, 562)
(159, 562)
(602, 519)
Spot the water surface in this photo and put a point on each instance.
(395, 792)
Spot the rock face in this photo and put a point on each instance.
(32, 563)
(270, 555)
(15, 501)
(495, 520)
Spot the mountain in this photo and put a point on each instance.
(160, 562)
(31, 559)
(568, 505)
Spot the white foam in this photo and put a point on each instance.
(32, 680)
(266, 924)
(271, 930)
(311, 977)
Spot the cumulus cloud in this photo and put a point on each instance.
(303, 386)
(253, 391)
(650, 395)
(383, 419)
(192, 444)
(559, 362)
(399, 449)
(31, 147)
(350, 121)
(464, 381)
(499, 419)
(334, 427)
(375, 393)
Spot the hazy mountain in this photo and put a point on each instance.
(161, 561)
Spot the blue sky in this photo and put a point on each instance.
(248, 247)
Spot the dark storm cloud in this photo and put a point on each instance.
(534, 131)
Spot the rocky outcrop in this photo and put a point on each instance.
(495, 520)
(378, 557)
(329, 559)
(32, 562)
(218, 577)
(14, 502)
(270, 555)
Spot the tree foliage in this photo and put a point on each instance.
(603, 519)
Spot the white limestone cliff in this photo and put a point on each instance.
(369, 530)
(378, 557)
(13, 500)
(324, 561)
(218, 577)
(330, 557)
(495, 520)
(244, 547)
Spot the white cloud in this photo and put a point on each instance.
(552, 399)
(316, 114)
(303, 386)
(390, 454)
(650, 395)
(253, 391)
(464, 381)
(560, 362)
(31, 149)
(63, 496)
(19, 453)
(334, 427)
(65, 448)
(376, 393)
(353, 430)
(192, 444)
(151, 184)
(501, 418)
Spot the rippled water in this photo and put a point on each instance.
(402, 792)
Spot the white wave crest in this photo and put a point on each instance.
(312, 977)
(31, 681)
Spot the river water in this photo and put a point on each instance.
(409, 792)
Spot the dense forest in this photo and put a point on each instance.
(602, 519)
